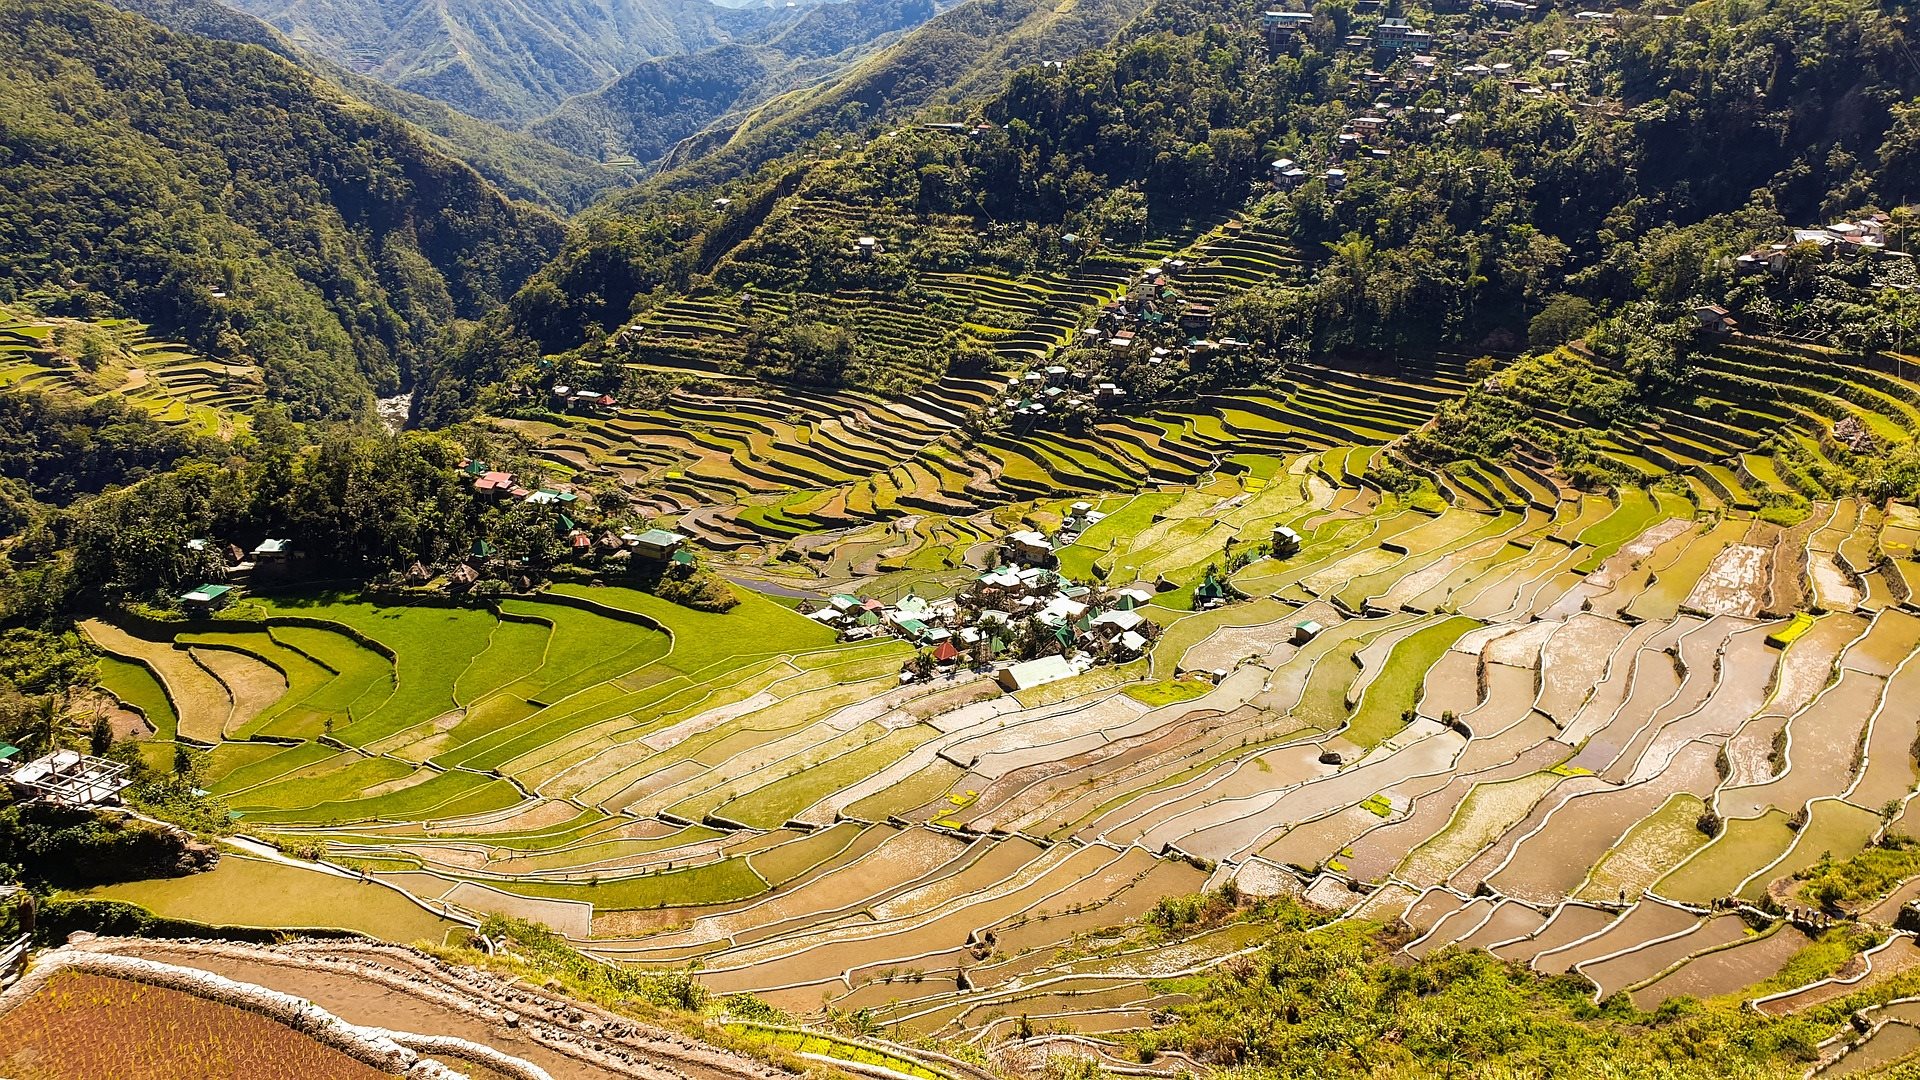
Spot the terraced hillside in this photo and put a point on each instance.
(1615, 736)
(120, 357)
(747, 465)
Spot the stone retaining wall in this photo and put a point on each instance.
(374, 1048)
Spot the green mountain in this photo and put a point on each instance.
(963, 53)
(644, 112)
(522, 166)
(241, 203)
(506, 60)
(1547, 159)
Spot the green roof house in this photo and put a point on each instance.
(207, 598)
(657, 544)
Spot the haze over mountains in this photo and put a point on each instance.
(512, 60)
(627, 82)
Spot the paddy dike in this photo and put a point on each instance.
(1584, 721)
(387, 987)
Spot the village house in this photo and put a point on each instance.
(1286, 173)
(1395, 34)
(71, 778)
(207, 599)
(1715, 320)
(660, 545)
(1296, 21)
(271, 551)
(493, 483)
(569, 399)
(1032, 673)
(1029, 548)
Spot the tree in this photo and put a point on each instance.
(1564, 318)
(100, 737)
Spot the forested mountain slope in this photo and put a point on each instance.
(1613, 164)
(644, 112)
(965, 52)
(523, 166)
(506, 60)
(241, 203)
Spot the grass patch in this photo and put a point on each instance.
(516, 650)
(770, 805)
(914, 792)
(818, 1045)
(705, 639)
(363, 678)
(446, 794)
(1396, 690)
(253, 892)
(1719, 868)
(1867, 876)
(431, 647)
(1795, 629)
(1830, 951)
(784, 862)
(135, 686)
(232, 766)
(1077, 559)
(1660, 841)
(340, 775)
(713, 883)
(1169, 691)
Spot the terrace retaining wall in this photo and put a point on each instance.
(372, 1047)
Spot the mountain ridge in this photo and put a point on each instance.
(523, 166)
(510, 61)
(243, 203)
(650, 108)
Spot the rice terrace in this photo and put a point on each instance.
(1620, 736)
(961, 540)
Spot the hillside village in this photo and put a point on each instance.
(1350, 539)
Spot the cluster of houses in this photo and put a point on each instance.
(568, 399)
(1390, 123)
(1055, 388)
(499, 485)
(1395, 33)
(1155, 308)
(657, 546)
(278, 555)
(237, 567)
(1152, 322)
(1868, 237)
(1023, 606)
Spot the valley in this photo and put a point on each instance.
(963, 542)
